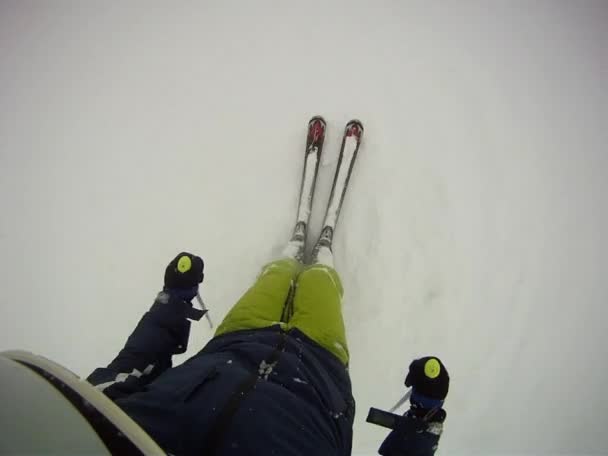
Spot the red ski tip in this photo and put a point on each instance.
(315, 118)
(354, 128)
(316, 128)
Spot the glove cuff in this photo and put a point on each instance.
(427, 415)
(183, 294)
(421, 401)
(190, 312)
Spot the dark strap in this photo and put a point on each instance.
(216, 434)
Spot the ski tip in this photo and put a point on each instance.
(355, 122)
(315, 118)
(354, 127)
(316, 131)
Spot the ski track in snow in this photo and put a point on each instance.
(473, 228)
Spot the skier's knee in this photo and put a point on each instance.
(319, 273)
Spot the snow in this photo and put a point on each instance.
(473, 229)
(291, 249)
(350, 146)
(325, 256)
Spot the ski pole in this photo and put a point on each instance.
(401, 401)
(202, 304)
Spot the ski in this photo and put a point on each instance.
(312, 158)
(348, 154)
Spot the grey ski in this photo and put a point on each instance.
(312, 158)
(348, 154)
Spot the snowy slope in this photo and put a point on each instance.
(473, 228)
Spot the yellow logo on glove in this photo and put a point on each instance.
(184, 264)
(432, 368)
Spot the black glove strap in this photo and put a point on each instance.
(195, 314)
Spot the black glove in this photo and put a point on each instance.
(430, 382)
(183, 275)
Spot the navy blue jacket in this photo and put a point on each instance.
(246, 393)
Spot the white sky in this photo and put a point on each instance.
(473, 228)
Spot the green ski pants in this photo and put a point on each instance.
(294, 296)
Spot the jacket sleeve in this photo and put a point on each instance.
(413, 436)
(162, 332)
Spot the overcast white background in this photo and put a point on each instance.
(473, 229)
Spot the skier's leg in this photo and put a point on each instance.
(262, 305)
(317, 306)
